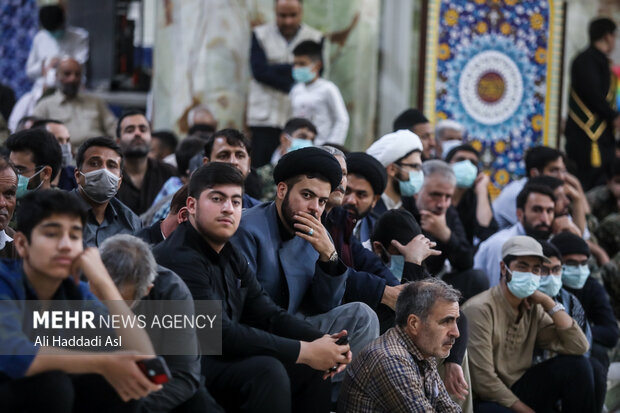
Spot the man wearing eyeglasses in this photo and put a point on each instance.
(36, 156)
(506, 322)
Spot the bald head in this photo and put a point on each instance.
(288, 17)
(69, 76)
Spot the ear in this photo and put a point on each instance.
(148, 289)
(534, 172)
(46, 173)
(205, 160)
(183, 215)
(281, 190)
(377, 248)
(374, 202)
(21, 244)
(414, 323)
(191, 205)
(503, 272)
(319, 65)
(519, 214)
(284, 142)
(391, 170)
(76, 174)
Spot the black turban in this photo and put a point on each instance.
(408, 119)
(366, 166)
(395, 224)
(568, 243)
(308, 161)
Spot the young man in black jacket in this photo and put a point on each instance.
(262, 343)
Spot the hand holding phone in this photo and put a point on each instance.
(155, 369)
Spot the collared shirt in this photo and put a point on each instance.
(117, 219)
(392, 375)
(85, 116)
(140, 199)
(4, 238)
(389, 202)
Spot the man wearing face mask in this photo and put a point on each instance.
(507, 322)
(536, 211)
(297, 133)
(65, 179)
(471, 195)
(36, 157)
(99, 163)
(83, 114)
(551, 284)
(440, 222)
(400, 153)
(576, 279)
(449, 135)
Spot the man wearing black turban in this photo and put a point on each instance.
(292, 254)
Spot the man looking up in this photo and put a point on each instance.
(143, 177)
(262, 343)
(98, 174)
(36, 156)
(271, 59)
(507, 322)
(84, 115)
(416, 122)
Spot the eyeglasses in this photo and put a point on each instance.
(556, 270)
(414, 166)
(22, 170)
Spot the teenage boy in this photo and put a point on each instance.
(54, 379)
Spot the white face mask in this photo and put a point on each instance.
(100, 185)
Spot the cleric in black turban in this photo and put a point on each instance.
(308, 161)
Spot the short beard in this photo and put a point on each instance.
(288, 213)
(536, 233)
(136, 152)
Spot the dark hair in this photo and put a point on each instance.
(294, 124)
(201, 130)
(613, 169)
(188, 148)
(309, 48)
(419, 297)
(131, 112)
(533, 188)
(538, 157)
(51, 17)
(179, 199)
(550, 181)
(508, 259)
(550, 250)
(408, 119)
(233, 138)
(600, 27)
(43, 145)
(167, 139)
(36, 206)
(42, 123)
(212, 174)
(465, 147)
(102, 141)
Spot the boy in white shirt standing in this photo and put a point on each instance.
(315, 98)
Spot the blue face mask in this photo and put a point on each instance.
(22, 184)
(58, 34)
(466, 173)
(303, 74)
(297, 143)
(550, 284)
(397, 265)
(413, 185)
(575, 276)
(523, 284)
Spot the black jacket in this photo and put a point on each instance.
(252, 324)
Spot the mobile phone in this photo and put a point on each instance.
(155, 369)
(341, 342)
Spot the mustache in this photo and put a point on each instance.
(450, 342)
(340, 189)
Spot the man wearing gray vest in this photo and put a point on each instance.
(271, 61)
